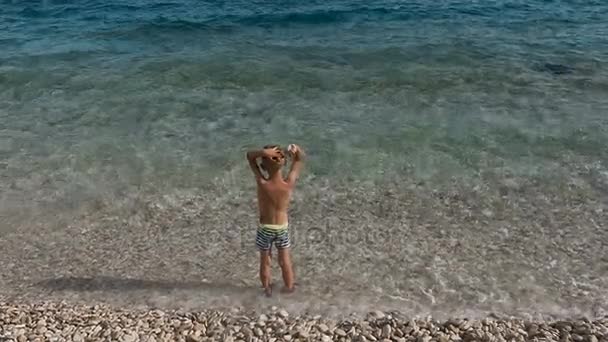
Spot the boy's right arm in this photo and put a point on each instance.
(252, 156)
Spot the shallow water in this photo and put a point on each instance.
(466, 107)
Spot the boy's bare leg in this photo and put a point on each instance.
(286, 269)
(265, 271)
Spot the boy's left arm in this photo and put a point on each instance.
(296, 166)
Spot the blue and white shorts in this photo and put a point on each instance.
(268, 234)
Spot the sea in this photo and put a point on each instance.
(456, 151)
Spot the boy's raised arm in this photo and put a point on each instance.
(252, 156)
(296, 165)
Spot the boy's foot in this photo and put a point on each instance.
(268, 291)
(288, 290)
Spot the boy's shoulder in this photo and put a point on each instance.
(282, 184)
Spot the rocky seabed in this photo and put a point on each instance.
(79, 323)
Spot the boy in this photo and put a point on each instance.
(274, 194)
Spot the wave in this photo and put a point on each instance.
(230, 22)
(160, 25)
(185, 25)
(90, 9)
(268, 17)
(315, 17)
(30, 12)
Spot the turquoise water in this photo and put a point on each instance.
(104, 100)
(177, 90)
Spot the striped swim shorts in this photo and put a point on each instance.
(268, 234)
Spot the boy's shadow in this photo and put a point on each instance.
(84, 284)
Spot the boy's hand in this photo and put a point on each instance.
(272, 153)
(295, 151)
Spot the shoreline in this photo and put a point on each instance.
(457, 251)
(60, 321)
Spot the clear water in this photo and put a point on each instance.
(103, 101)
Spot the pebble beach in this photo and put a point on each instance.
(61, 322)
(91, 292)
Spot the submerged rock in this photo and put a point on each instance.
(557, 69)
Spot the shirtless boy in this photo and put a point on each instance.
(274, 194)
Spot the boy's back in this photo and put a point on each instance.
(273, 201)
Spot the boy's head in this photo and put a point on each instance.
(273, 164)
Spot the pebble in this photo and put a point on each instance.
(370, 337)
(77, 337)
(247, 332)
(340, 332)
(487, 213)
(377, 314)
(131, 337)
(386, 331)
(323, 328)
(303, 333)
